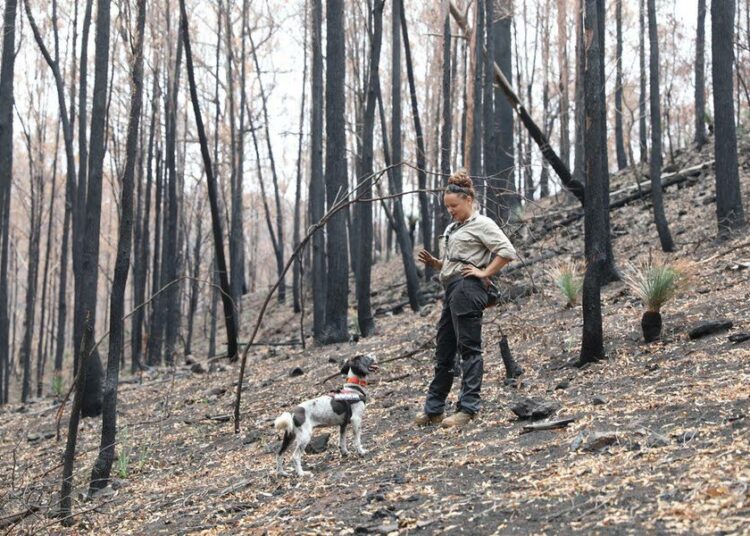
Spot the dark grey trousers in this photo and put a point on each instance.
(459, 331)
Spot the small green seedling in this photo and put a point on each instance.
(567, 276)
(123, 457)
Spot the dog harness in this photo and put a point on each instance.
(343, 399)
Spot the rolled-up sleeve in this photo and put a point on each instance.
(495, 240)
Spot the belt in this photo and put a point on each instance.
(453, 279)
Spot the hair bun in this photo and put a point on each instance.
(461, 178)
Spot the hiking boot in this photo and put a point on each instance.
(458, 419)
(423, 419)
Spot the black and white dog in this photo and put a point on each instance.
(337, 408)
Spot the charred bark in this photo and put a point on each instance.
(660, 218)
(103, 465)
(700, 138)
(221, 265)
(729, 211)
(592, 344)
(317, 184)
(363, 211)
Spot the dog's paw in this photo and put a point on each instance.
(303, 474)
(344, 453)
(361, 452)
(282, 473)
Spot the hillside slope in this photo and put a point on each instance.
(673, 417)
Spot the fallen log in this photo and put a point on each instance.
(293, 342)
(15, 518)
(395, 309)
(523, 263)
(643, 189)
(548, 425)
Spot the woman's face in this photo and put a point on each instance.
(459, 206)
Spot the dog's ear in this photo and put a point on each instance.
(345, 368)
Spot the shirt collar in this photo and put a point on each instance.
(470, 219)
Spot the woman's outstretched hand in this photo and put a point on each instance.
(426, 258)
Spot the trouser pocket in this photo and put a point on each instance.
(467, 305)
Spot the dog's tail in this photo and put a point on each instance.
(284, 423)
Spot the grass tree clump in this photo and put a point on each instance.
(57, 385)
(654, 282)
(568, 277)
(123, 457)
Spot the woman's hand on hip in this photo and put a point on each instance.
(470, 270)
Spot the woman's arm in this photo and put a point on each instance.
(496, 265)
(494, 239)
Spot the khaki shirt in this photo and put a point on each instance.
(476, 241)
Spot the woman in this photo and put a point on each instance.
(474, 248)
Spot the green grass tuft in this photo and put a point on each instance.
(655, 282)
(568, 278)
(123, 457)
(57, 385)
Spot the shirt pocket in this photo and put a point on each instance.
(468, 248)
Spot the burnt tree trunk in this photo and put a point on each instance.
(194, 283)
(622, 158)
(214, 276)
(396, 176)
(36, 194)
(221, 264)
(214, 304)
(79, 207)
(92, 395)
(66, 488)
(41, 356)
(424, 202)
(729, 212)
(297, 273)
(70, 184)
(336, 324)
(475, 124)
(489, 130)
(6, 174)
(655, 166)
(507, 198)
(87, 401)
(103, 465)
(170, 304)
(142, 237)
(153, 344)
(317, 184)
(279, 246)
(234, 221)
(700, 138)
(564, 80)
(592, 344)
(363, 211)
(54, 64)
(546, 113)
(610, 273)
(579, 156)
(642, 129)
(441, 217)
(237, 234)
